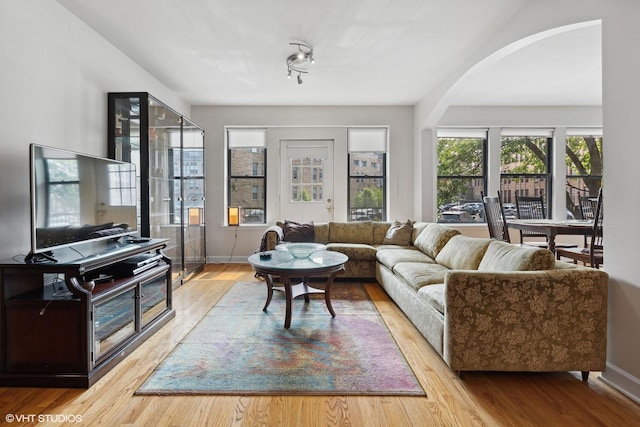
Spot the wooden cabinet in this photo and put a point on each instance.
(59, 331)
(168, 150)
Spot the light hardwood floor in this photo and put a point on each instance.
(476, 399)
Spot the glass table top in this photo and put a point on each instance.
(283, 260)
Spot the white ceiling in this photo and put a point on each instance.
(368, 52)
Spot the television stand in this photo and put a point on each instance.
(58, 331)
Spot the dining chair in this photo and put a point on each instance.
(593, 253)
(533, 207)
(587, 206)
(494, 214)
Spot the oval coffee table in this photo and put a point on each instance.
(282, 264)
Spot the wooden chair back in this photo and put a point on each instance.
(530, 208)
(595, 244)
(588, 206)
(494, 214)
(593, 252)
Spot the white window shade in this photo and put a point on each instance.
(462, 133)
(246, 137)
(540, 132)
(584, 131)
(367, 140)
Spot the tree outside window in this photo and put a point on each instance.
(524, 167)
(584, 164)
(461, 176)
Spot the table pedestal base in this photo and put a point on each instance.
(303, 288)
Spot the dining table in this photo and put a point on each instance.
(552, 228)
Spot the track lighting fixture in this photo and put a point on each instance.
(300, 61)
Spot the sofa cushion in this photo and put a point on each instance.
(298, 232)
(434, 295)
(389, 257)
(419, 274)
(399, 233)
(322, 232)
(380, 229)
(418, 227)
(355, 251)
(503, 256)
(351, 232)
(463, 252)
(433, 238)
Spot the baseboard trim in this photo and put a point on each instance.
(622, 381)
(240, 259)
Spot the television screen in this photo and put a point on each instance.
(77, 198)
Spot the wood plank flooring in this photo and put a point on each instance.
(476, 399)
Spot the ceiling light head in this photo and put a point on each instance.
(300, 60)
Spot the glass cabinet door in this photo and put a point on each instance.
(125, 139)
(193, 196)
(165, 215)
(113, 322)
(168, 150)
(153, 298)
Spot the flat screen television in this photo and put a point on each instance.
(77, 198)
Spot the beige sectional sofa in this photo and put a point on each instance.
(483, 305)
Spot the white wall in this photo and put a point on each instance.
(621, 115)
(221, 240)
(54, 77)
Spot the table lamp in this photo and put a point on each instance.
(233, 216)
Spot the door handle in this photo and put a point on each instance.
(329, 206)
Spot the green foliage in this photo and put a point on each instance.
(524, 155)
(458, 157)
(370, 197)
(462, 157)
(584, 155)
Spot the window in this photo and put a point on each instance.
(246, 173)
(584, 166)
(367, 173)
(63, 199)
(122, 187)
(461, 174)
(525, 164)
(306, 179)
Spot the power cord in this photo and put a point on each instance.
(235, 242)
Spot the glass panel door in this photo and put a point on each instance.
(165, 215)
(193, 196)
(153, 297)
(114, 321)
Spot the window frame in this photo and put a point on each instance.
(581, 133)
(507, 196)
(250, 144)
(465, 134)
(367, 141)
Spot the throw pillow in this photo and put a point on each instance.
(399, 233)
(297, 232)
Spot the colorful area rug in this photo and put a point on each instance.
(239, 349)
